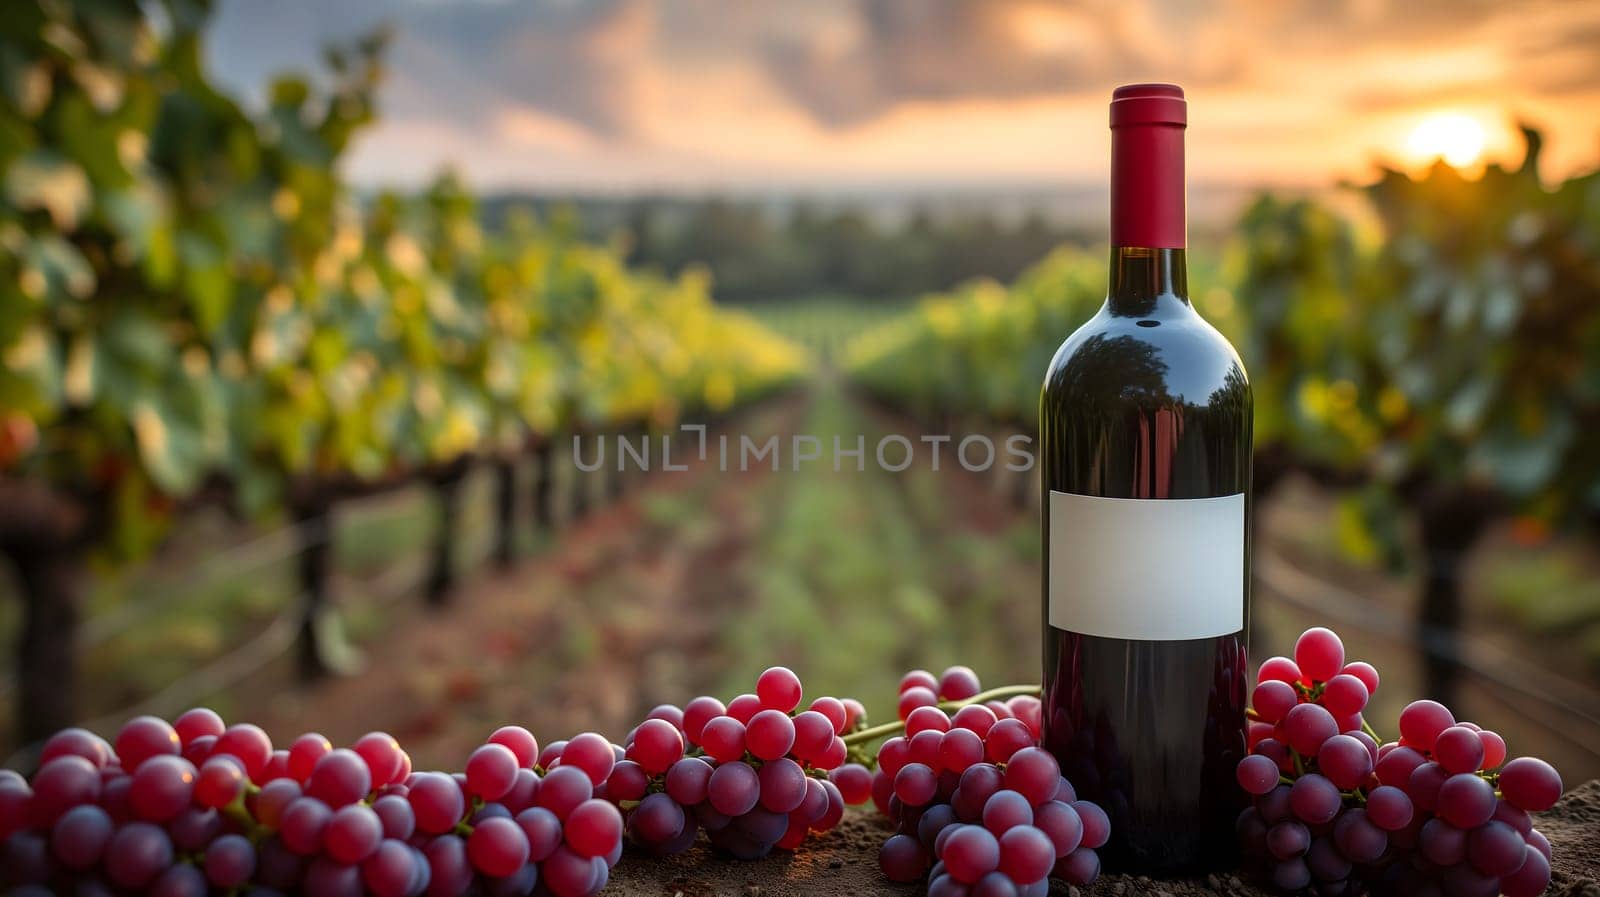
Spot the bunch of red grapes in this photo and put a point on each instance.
(751, 774)
(194, 807)
(979, 808)
(1439, 812)
(197, 807)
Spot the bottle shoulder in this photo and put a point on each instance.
(1174, 359)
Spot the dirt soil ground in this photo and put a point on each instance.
(845, 862)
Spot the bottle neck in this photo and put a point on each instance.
(1147, 282)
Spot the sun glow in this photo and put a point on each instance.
(1457, 139)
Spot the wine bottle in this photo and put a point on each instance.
(1144, 429)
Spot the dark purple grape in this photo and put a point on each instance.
(1442, 843)
(449, 869)
(733, 789)
(1291, 875)
(1466, 801)
(1005, 810)
(1079, 867)
(1531, 878)
(1358, 838)
(181, 880)
(1326, 863)
(1061, 824)
(1389, 808)
(137, 853)
(1495, 849)
(658, 818)
(79, 837)
(687, 780)
(783, 785)
(229, 861)
(1314, 799)
(1288, 840)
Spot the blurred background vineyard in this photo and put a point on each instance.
(287, 423)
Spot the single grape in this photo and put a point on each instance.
(303, 823)
(958, 683)
(550, 755)
(1291, 875)
(220, 781)
(229, 861)
(498, 848)
(80, 836)
(1394, 767)
(1466, 801)
(395, 813)
(916, 784)
(340, 777)
(1366, 672)
(144, 737)
(1307, 726)
(590, 753)
(1531, 878)
(959, 749)
(1281, 669)
(892, 754)
(1080, 867)
(914, 697)
(783, 785)
(1273, 699)
(628, 781)
(733, 789)
(63, 783)
(769, 734)
(565, 874)
(1527, 783)
(1026, 854)
(853, 780)
(268, 804)
(1326, 863)
(1319, 654)
(181, 880)
(813, 735)
(1494, 749)
(925, 719)
(390, 870)
(1061, 824)
(247, 742)
(1033, 772)
(77, 743)
(743, 707)
(1006, 738)
(976, 717)
(137, 853)
(1358, 838)
(902, 859)
(1389, 808)
(437, 802)
(834, 757)
(1314, 799)
(778, 688)
(1459, 749)
(1288, 840)
(970, 852)
(304, 753)
(697, 713)
(1345, 761)
(1422, 721)
(1344, 695)
(194, 828)
(162, 788)
(562, 789)
(492, 772)
(1005, 810)
(1096, 824)
(1442, 843)
(657, 820)
(724, 739)
(924, 748)
(381, 752)
(1030, 710)
(1257, 774)
(353, 834)
(657, 745)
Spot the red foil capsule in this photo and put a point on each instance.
(1147, 188)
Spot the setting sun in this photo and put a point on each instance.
(1456, 138)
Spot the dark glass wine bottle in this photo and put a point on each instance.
(1144, 428)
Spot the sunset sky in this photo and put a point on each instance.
(694, 94)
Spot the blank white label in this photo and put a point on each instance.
(1146, 569)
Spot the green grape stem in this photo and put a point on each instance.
(884, 730)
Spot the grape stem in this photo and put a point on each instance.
(884, 730)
